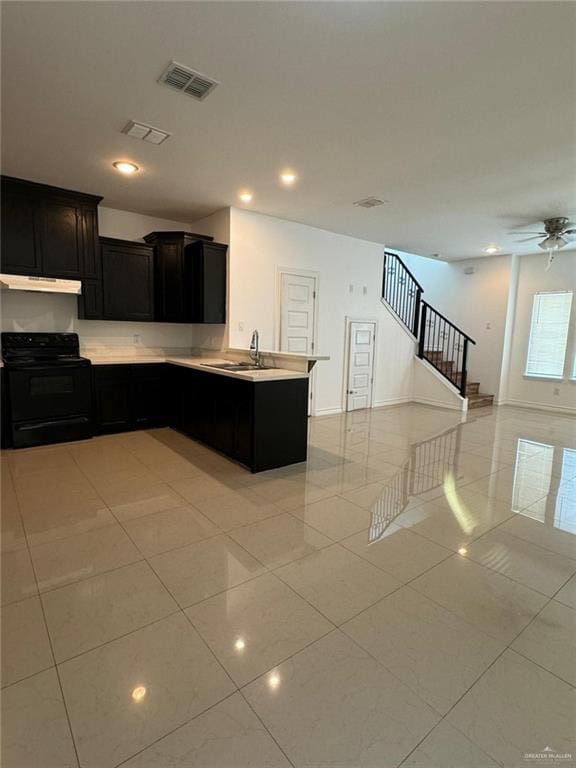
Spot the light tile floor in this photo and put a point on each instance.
(405, 598)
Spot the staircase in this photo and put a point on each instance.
(441, 343)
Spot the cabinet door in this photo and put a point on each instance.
(91, 268)
(60, 239)
(20, 255)
(206, 282)
(223, 433)
(149, 395)
(197, 404)
(244, 431)
(90, 300)
(112, 398)
(170, 294)
(127, 279)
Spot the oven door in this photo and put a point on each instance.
(41, 392)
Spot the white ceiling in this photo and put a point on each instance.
(460, 114)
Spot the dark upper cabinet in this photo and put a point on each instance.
(127, 280)
(60, 238)
(20, 254)
(48, 231)
(205, 265)
(190, 278)
(91, 300)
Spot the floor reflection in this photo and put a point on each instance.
(536, 479)
(552, 471)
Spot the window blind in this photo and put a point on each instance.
(549, 334)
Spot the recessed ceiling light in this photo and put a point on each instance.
(288, 178)
(125, 167)
(491, 249)
(245, 196)
(462, 551)
(139, 693)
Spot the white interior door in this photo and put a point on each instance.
(360, 365)
(297, 313)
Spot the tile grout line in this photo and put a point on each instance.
(508, 647)
(447, 557)
(58, 678)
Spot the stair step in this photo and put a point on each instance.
(472, 387)
(480, 400)
(434, 355)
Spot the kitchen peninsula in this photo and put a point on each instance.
(258, 417)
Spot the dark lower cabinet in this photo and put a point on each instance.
(130, 397)
(112, 407)
(5, 425)
(262, 425)
(149, 395)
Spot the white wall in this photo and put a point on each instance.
(23, 311)
(260, 244)
(532, 277)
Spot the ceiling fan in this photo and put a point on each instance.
(558, 232)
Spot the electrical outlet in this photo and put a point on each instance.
(557, 391)
(488, 326)
(241, 325)
(137, 338)
(351, 288)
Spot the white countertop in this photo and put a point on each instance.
(203, 364)
(287, 355)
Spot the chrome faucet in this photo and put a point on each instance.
(255, 348)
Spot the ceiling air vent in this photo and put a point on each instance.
(146, 132)
(187, 81)
(370, 202)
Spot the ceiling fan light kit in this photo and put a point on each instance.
(557, 233)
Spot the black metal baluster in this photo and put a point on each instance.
(384, 281)
(407, 300)
(464, 371)
(417, 311)
(423, 308)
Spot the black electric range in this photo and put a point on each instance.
(49, 388)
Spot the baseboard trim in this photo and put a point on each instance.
(539, 406)
(327, 411)
(392, 401)
(439, 403)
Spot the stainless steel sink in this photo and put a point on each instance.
(237, 366)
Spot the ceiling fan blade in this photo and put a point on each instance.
(526, 239)
(569, 232)
(527, 232)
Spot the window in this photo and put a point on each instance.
(549, 334)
